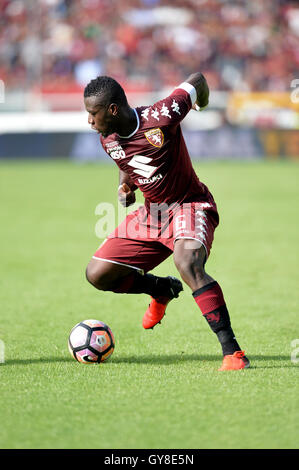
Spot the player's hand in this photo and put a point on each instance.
(125, 195)
(203, 93)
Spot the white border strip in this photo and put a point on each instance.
(121, 264)
(192, 238)
(189, 89)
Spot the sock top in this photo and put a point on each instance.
(203, 289)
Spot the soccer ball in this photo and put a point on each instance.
(91, 341)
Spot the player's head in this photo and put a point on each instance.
(104, 98)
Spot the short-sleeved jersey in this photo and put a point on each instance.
(155, 154)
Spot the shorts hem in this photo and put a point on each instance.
(193, 238)
(121, 264)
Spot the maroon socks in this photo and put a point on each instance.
(212, 305)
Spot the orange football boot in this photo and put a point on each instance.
(235, 361)
(157, 308)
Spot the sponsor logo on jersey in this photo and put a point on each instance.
(153, 179)
(142, 166)
(112, 144)
(155, 137)
(115, 150)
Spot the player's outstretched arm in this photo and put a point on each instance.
(126, 194)
(200, 84)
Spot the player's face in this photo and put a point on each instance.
(101, 117)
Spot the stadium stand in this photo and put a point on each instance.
(247, 49)
(57, 44)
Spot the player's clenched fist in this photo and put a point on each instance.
(125, 195)
(202, 90)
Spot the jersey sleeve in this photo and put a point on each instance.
(171, 110)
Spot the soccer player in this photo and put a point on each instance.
(179, 215)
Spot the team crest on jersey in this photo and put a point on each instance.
(155, 137)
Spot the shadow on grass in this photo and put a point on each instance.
(256, 361)
(35, 360)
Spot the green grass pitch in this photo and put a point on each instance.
(161, 389)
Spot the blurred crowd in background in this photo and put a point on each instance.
(149, 44)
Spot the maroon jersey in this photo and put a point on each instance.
(155, 155)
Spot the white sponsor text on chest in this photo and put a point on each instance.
(115, 151)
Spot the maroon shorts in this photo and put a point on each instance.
(142, 241)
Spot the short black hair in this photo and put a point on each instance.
(108, 88)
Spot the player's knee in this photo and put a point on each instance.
(91, 274)
(97, 277)
(190, 267)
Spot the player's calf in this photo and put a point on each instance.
(208, 295)
(121, 279)
(112, 277)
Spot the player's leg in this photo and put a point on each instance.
(193, 234)
(105, 275)
(121, 265)
(189, 258)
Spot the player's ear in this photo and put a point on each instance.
(113, 109)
